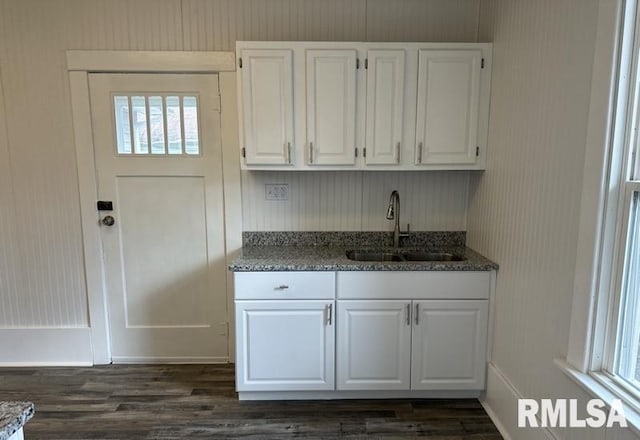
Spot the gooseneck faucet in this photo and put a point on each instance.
(393, 212)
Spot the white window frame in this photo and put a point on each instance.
(605, 209)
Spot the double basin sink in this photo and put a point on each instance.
(402, 256)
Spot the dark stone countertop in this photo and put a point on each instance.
(13, 416)
(333, 258)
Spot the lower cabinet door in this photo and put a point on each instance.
(284, 345)
(374, 341)
(449, 344)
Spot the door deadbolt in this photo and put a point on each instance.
(108, 221)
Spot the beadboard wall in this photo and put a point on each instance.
(524, 210)
(355, 201)
(42, 281)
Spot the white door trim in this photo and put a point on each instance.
(150, 61)
(80, 63)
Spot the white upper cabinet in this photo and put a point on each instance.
(331, 106)
(448, 106)
(385, 107)
(367, 106)
(267, 106)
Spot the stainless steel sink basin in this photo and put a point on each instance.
(373, 256)
(432, 256)
(366, 255)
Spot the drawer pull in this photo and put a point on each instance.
(281, 287)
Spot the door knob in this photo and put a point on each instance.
(108, 220)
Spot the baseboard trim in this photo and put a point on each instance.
(364, 394)
(169, 360)
(501, 404)
(39, 347)
(496, 420)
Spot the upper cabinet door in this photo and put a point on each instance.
(385, 105)
(331, 106)
(448, 106)
(267, 106)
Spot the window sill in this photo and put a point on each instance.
(600, 386)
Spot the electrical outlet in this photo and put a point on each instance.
(276, 191)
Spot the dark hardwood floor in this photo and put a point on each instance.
(198, 401)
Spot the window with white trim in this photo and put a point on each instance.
(621, 346)
(157, 125)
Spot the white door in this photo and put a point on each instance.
(449, 345)
(385, 106)
(158, 160)
(285, 345)
(331, 106)
(448, 106)
(374, 342)
(266, 89)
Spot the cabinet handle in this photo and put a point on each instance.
(281, 287)
(329, 314)
(409, 314)
(420, 152)
(417, 313)
(398, 152)
(289, 152)
(310, 152)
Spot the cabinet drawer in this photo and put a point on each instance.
(284, 285)
(413, 285)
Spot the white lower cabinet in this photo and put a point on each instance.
(449, 344)
(284, 345)
(374, 342)
(348, 334)
(417, 345)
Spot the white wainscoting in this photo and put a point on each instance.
(45, 346)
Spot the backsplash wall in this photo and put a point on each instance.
(355, 200)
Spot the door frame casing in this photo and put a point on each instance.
(82, 63)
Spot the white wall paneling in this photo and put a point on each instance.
(433, 201)
(45, 285)
(419, 20)
(318, 201)
(354, 201)
(43, 282)
(524, 210)
(10, 256)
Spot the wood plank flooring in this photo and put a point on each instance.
(199, 402)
